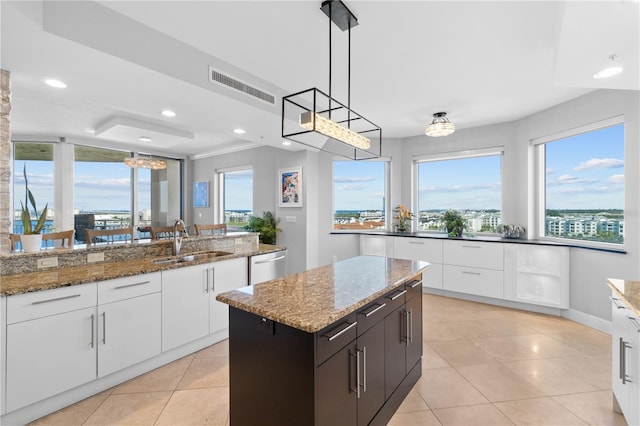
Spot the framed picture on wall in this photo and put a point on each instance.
(201, 194)
(290, 187)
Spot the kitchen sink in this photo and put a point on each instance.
(191, 257)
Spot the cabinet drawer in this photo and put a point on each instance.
(128, 287)
(482, 282)
(372, 313)
(432, 277)
(395, 298)
(334, 337)
(28, 306)
(413, 287)
(426, 249)
(474, 254)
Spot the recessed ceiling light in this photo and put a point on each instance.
(145, 139)
(55, 83)
(91, 131)
(608, 72)
(168, 113)
(239, 131)
(286, 143)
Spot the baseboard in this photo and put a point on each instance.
(588, 320)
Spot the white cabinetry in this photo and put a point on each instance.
(537, 274)
(625, 356)
(128, 321)
(51, 340)
(426, 249)
(189, 308)
(474, 268)
(376, 245)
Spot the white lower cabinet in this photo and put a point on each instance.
(189, 308)
(625, 356)
(428, 250)
(129, 324)
(478, 281)
(51, 343)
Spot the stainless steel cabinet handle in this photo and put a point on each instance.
(417, 242)
(368, 314)
(634, 323)
(414, 284)
(341, 332)
(402, 293)
(406, 318)
(471, 273)
(471, 246)
(92, 332)
(364, 368)
(275, 259)
(206, 288)
(213, 279)
(623, 361)
(55, 299)
(410, 325)
(615, 302)
(358, 373)
(104, 328)
(131, 285)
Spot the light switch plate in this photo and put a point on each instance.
(47, 262)
(290, 219)
(95, 257)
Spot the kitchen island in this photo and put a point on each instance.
(336, 345)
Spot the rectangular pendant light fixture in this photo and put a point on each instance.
(313, 121)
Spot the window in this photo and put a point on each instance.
(359, 195)
(38, 160)
(582, 178)
(471, 185)
(237, 196)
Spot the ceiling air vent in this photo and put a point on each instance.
(216, 77)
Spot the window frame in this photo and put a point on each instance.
(446, 156)
(538, 146)
(388, 218)
(219, 216)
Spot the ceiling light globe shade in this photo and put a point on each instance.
(440, 126)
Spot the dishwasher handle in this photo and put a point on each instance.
(275, 259)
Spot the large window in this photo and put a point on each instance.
(359, 195)
(236, 196)
(37, 160)
(471, 185)
(582, 176)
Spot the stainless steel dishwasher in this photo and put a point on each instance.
(265, 267)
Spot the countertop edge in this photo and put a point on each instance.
(634, 307)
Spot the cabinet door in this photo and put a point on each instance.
(483, 282)
(50, 355)
(394, 350)
(371, 349)
(128, 332)
(185, 305)
(227, 275)
(336, 398)
(414, 334)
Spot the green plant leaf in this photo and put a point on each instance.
(26, 219)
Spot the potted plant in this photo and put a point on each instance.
(266, 226)
(404, 218)
(31, 239)
(454, 223)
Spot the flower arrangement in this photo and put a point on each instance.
(404, 218)
(26, 214)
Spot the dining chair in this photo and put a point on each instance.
(220, 228)
(164, 232)
(15, 239)
(65, 238)
(95, 236)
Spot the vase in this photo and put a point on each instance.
(31, 243)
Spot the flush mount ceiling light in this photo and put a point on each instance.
(611, 70)
(55, 83)
(440, 126)
(168, 113)
(326, 123)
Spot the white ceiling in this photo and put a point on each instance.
(124, 61)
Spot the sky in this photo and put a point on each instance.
(582, 172)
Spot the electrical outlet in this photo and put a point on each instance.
(95, 257)
(47, 262)
(334, 258)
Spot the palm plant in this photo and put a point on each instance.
(266, 225)
(26, 213)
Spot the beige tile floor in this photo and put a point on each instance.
(482, 365)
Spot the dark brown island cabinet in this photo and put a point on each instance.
(356, 371)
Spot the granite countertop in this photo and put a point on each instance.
(61, 277)
(314, 299)
(629, 292)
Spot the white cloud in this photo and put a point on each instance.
(351, 187)
(599, 163)
(342, 179)
(616, 179)
(550, 171)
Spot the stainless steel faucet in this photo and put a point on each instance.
(177, 236)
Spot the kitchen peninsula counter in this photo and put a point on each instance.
(339, 344)
(628, 291)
